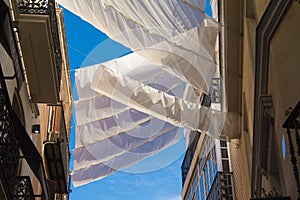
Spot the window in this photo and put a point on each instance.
(209, 169)
(268, 173)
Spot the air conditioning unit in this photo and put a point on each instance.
(52, 188)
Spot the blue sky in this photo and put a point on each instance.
(88, 46)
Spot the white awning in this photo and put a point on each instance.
(159, 31)
(130, 105)
(135, 106)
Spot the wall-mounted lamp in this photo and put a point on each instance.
(36, 129)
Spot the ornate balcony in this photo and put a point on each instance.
(40, 45)
(23, 189)
(292, 123)
(13, 139)
(222, 187)
(9, 147)
(56, 150)
(33, 6)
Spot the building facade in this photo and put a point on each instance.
(259, 66)
(36, 99)
(206, 170)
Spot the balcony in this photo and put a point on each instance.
(222, 187)
(292, 126)
(23, 189)
(39, 40)
(9, 147)
(56, 150)
(13, 140)
(293, 119)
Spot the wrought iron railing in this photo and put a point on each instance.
(45, 7)
(33, 6)
(13, 139)
(23, 189)
(9, 147)
(222, 187)
(293, 123)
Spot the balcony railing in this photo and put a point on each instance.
(33, 6)
(45, 7)
(57, 150)
(9, 147)
(293, 123)
(13, 139)
(222, 187)
(23, 189)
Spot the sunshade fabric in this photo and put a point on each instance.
(135, 106)
(103, 141)
(157, 30)
(98, 170)
(124, 129)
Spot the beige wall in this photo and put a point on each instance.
(241, 149)
(284, 86)
(260, 7)
(240, 170)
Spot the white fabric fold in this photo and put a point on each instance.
(163, 28)
(121, 101)
(102, 169)
(124, 142)
(105, 128)
(92, 106)
(146, 99)
(122, 96)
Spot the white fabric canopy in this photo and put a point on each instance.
(142, 97)
(135, 106)
(99, 170)
(124, 141)
(157, 30)
(107, 130)
(147, 108)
